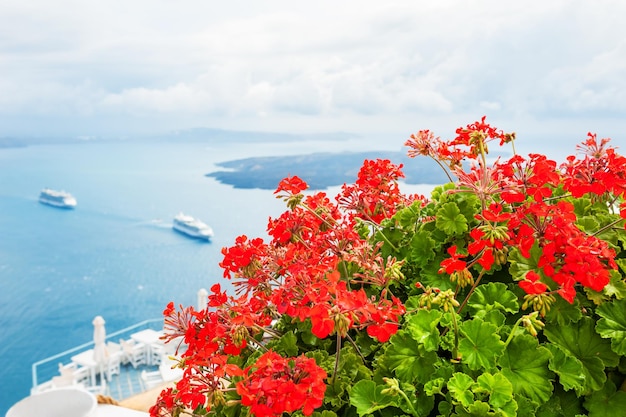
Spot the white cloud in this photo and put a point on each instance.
(277, 64)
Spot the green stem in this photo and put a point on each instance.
(270, 330)
(337, 356)
(385, 238)
(444, 168)
(508, 340)
(455, 349)
(471, 291)
(608, 226)
(358, 351)
(406, 398)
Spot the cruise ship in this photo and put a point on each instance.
(192, 227)
(57, 198)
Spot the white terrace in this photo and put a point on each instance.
(121, 365)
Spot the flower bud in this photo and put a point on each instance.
(394, 387)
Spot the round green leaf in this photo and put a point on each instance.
(367, 397)
(423, 328)
(612, 325)
(499, 388)
(480, 345)
(460, 387)
(493, 295)
(525, 364)
(450, 220)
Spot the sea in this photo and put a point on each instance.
(115, 254)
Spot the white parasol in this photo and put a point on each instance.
(203, 299)
(100, 354)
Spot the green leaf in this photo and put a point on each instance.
(616, 286)
(434, 386)
(588, 224)
(367, 397)
(423, 404)
(525, 364)
(552, 408)
(519, 265)
(351, 364)
(366, 344)
(460, 388)
(477, 409)
(322, 359)
(480, 345)
(423, 328)
(563, 313)
(582, 206)
(444, 408)
(567, 367)
(499, 388)
(287, 344)
(408, 217)
(607, 402)
(493, 295)
(408, 360)
(581, 341)
(526, 407)
(422, 248)
(325, 413)
(450, 219)
(612, 325)
(494, 317)
(429, 276)
(571, 405)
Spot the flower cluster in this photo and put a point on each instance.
(524, 207)
(275, 385)
(379, 300)
(317, 270)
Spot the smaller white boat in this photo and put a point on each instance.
(55, 198)
(192, 227)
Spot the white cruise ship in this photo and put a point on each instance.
(192, 227)
(57, 198)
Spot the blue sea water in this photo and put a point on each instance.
(115, 255)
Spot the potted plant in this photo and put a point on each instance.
(501, 294)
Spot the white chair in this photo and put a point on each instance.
(113, 348)
(98, 389)
(157, 352)
(151, 379)
(78, 375)
(62, 381)
(113, 366)
(135, 353)
(115, 358)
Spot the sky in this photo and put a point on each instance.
(549, 70)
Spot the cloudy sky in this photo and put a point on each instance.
(545, 69)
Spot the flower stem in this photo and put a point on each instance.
(455, 349)
(406, 398)
(354, 345)
(471, 291)
(443, 167)
(337, 356)
(608, 226)
(387, 240)
(508, 340)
